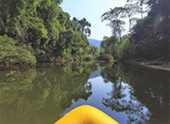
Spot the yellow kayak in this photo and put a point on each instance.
(86, 115)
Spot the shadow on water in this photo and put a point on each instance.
(42, 95)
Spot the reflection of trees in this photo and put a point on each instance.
(42, 95)
(152, 89)
(13, 83)
(139, 92)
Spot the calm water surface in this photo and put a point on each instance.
(127, 93)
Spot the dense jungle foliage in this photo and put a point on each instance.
(41, 29)
(148, 37)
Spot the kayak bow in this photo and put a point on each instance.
(86, 115)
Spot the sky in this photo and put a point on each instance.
(92, 11)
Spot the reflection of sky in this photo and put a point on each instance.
(102, 90)
(142, 113)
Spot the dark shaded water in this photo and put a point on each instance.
(127, 93)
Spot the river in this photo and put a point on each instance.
(127, 93)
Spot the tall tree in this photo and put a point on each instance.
(85, 26)
(114, 17)
(130, 11)
(140, 4)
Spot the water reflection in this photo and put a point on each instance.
(129, 94)
(143, 94)
(122, 98)
(41, 96)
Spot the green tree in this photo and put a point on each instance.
(108, 45)
(140, 4)
(46, 27)
(130, 11)
(114, 17)
(149, 38)
(85, 26)
(151, 35)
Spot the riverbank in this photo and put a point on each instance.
(159, 65)
(15, 66)
(9, 65)
(165, 66)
